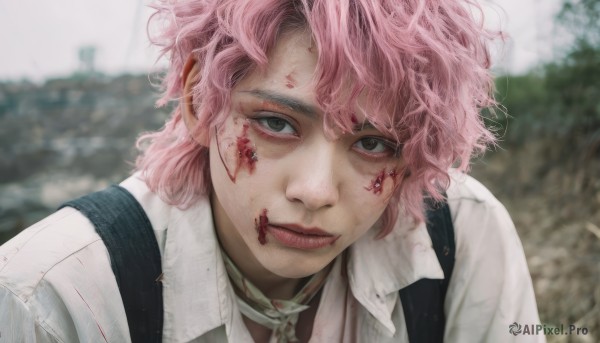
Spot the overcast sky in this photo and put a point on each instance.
(40, 39)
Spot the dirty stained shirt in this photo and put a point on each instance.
(56, 283)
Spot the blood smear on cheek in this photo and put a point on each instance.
(377, 183)
(261, 223)
(246, 153)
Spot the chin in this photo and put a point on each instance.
(295, 270)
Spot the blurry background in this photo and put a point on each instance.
(75, 92)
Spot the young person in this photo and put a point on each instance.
(288, 191)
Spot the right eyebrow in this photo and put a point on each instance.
(292, 103)
(297, 105)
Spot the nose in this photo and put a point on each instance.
(312, 179)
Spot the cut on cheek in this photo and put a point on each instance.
(236, 155)
(261, 224)
(376, 185)
(246, 152)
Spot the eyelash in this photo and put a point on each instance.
(260, 122)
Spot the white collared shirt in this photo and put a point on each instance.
(56, 283)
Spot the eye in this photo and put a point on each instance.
(376, 146)
(276, 124)
(372, 144)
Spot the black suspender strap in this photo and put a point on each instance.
(134, 257)
(135, 260)
(423, 301)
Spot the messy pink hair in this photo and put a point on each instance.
(423, 66)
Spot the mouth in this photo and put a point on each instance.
(299, 237)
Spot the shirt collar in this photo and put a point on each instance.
(194, 271)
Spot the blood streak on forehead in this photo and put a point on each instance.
(290, 81)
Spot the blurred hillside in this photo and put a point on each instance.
(66, 138)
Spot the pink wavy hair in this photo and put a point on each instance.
(422, 64)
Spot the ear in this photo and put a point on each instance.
(189, 78)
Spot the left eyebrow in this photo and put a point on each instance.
(293, 104)
(364, 126)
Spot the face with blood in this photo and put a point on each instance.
(287, 197)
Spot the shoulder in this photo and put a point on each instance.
(475, 210)
(482, 225)
(464, 188)
(58, 273)
(28, 257)
(490, 286)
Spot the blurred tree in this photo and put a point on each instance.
(582, 18)
(573, 82)
(562, 100)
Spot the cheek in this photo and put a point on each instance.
(369, 194)
(373, 193)
(235, 148)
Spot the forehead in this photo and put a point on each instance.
(290, 75)
(290, 69)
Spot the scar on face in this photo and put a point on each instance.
(290, 82)
(246, 154)
(377, 183)
(261, 223)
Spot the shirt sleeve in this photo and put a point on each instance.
(490, 288)
(57, 285)
(18, 324)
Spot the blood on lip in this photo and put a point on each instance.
(261, 223)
